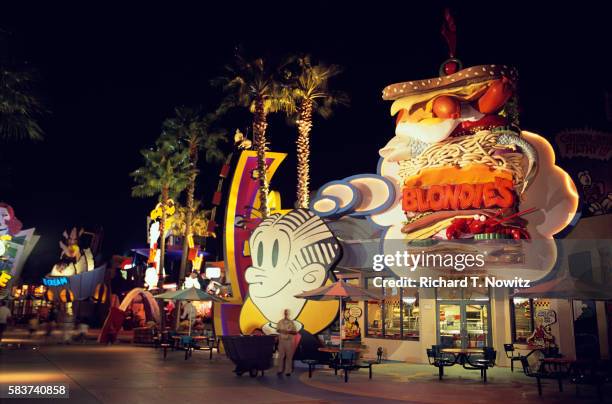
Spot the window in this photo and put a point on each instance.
(410, 314)
(523, 311)
(395, 317)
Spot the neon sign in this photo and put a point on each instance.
(5, 277)
(55, 281)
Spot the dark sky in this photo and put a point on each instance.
(110, 75)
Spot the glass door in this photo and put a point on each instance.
(476, 325)
(450, 325)
(463, 324)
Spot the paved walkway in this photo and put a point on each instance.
(131, 374)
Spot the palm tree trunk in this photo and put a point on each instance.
(259, 138)
(193, 154)
(162, 238)
(303, 154)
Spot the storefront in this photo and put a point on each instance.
(409, 320)
(405, 326)
(28, 300)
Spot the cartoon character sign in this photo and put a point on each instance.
(459, 168)
(3, 240)
(16, 244)
(73, 259)
(542, 335)
(154, 238)
(291, 254)
(9, 224)
(192, 281)
(597, 201)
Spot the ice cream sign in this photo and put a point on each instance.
(55, 281)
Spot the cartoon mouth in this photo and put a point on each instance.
(278, 291)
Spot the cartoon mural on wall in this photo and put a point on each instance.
(542, 335)
(352, 315)
(291, 254)
(16, 244)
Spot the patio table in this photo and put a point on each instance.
(334, 351)
(556, 365)
(177, 338)
(462, 357)
(547, 351)
(461, 354)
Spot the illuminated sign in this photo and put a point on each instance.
(213, 272)
(291, 254)
(55, 281)
(460, 196)
(151, 278)
(459, 167)
(5, 277)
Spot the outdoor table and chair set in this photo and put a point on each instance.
(187, 343)
(346, 359)
(551, 365)
(470, 358)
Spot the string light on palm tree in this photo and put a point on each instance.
(306, 92)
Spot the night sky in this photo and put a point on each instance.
(110, 75)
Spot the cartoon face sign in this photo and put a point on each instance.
(9, 224)
(5, 218)
(290, 254)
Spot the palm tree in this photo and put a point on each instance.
(251, 84)
(18, 105)
(197, 134)
(166, 172)
(199, 221)
(307, 87)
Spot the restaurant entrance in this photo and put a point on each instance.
(463, 318)
(464, 324)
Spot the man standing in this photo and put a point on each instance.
(286, 332)
(189, 313)
(5, 314)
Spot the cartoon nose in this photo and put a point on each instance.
(254, 275)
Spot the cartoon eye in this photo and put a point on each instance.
(275, 253)
(260, 253)
(309, 278)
